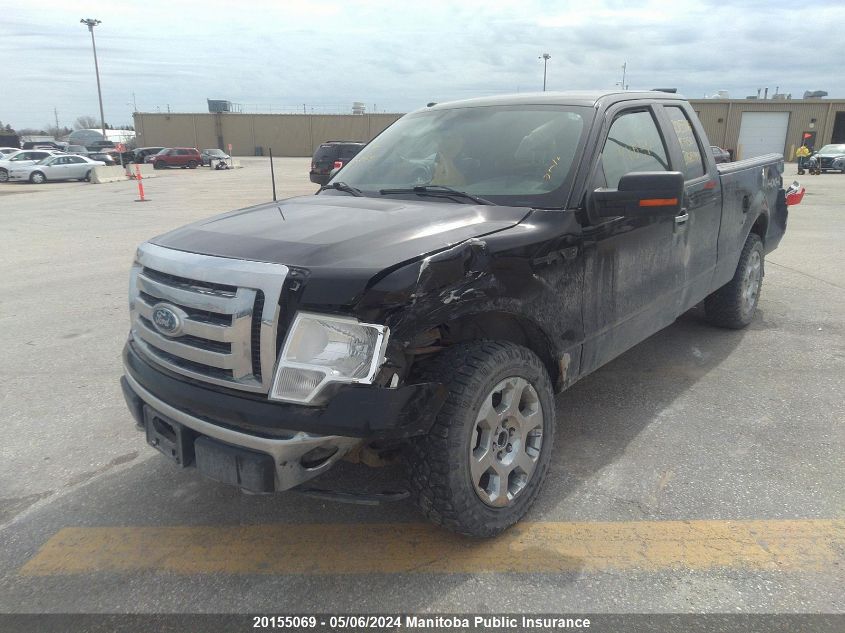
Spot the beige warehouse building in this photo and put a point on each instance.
(746, 127)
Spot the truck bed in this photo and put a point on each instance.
(749, 186)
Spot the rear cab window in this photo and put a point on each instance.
(693, 160)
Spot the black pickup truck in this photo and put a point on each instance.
(475, 259)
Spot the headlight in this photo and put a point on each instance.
(321, 349)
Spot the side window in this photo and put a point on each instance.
(59, 161)
(693, 162)
(633, 144)
(74, 159)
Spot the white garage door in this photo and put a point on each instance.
(762, 133)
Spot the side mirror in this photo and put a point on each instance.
(645, 193)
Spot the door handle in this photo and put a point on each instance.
(681, 219)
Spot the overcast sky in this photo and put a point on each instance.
(396, 56)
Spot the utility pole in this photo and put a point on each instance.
(56, 114)
(622, 84)
(91, 23)
(545, 57)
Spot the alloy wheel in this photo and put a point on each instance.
(506, 441)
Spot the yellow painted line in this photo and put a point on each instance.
(794, 545)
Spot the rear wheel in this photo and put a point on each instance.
(733, 305)
(37, 178)
(192, 164)
(480, 467)
(4, 175)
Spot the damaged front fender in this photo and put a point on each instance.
(514, 285)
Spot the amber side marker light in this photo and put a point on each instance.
(659, 202)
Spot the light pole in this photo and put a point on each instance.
(91, 23)
(545, 57)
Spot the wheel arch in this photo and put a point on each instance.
(505, 326)
(760, 227)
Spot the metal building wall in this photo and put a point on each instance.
(300, 134)
(286, 134)
(722, 119)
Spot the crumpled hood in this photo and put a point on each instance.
(339, 231)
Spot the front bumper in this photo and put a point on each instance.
(284, 431)
(223, 461)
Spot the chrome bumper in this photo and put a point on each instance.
(286, 453)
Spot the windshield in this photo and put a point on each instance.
(214, 152)
(832, 149)
(516, 155)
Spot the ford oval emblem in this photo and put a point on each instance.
(166, 320)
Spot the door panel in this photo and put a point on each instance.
(698, 236)
(633, 269)
(76, 169)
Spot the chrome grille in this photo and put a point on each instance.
(227, 311)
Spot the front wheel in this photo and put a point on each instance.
(733, 305)
(87, 176)
(37, 178)
(159, 164)
(481, 466)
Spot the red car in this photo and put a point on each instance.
(176, 157)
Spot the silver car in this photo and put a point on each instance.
(24, 157)
(62, 167)
(829, 158)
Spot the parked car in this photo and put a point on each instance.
(475, 259)
(79, 150)
(7, 151)
(106, 159)
(330, 156)
(23, 157)
(99, 146)
(828, 158)
(176, 157)
(213, 154)
(61, 167)
(141, 153)
(720, 155)
(40, 145)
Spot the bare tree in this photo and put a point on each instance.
(86, 123)
(57, 132)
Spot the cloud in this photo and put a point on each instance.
(399, 56)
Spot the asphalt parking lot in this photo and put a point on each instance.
(702, 471)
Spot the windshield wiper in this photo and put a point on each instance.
(342, 186)
(437, 190)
